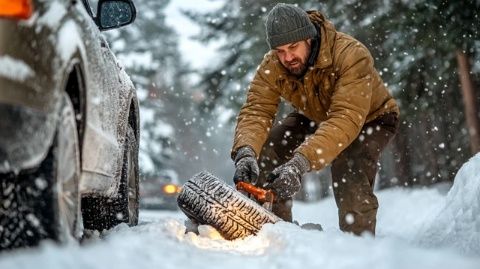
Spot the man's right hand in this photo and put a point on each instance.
(246, 167)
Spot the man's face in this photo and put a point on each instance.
(294, 56)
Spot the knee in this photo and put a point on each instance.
(356, 199)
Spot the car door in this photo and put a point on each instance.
(100, 148)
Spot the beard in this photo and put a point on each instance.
(298, 66)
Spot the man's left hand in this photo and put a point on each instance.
(287, 177)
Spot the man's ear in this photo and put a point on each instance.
(309, 41)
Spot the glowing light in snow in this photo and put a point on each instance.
(209, 238)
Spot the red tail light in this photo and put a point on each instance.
(16, 9)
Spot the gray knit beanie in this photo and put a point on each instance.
(287, 24)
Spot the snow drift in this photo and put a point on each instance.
(416, 228)
(457, 222)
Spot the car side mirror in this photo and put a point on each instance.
(115, 13)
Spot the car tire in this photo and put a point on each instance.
(209, 200)
(44, 202)
(103, 213)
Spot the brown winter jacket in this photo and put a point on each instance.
(340, 93)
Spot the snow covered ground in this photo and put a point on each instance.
(422, 228)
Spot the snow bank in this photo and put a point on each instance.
(401, 212)
(457, 221)
(163, 243)
(423, 217)
(416, 228)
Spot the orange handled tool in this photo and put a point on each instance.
(261, 195)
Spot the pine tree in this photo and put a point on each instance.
(415, 45)
(425, 36)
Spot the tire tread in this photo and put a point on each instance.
(211, 201)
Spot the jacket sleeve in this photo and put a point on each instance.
(257, 114)
(350, 104)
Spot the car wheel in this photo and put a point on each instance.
(209, 200)
(43, 202)
(101, 213)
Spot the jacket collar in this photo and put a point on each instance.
(327, 37)
(315, 48)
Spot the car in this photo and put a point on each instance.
(69, 126)
(160, 192)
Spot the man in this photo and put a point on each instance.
(344, 116)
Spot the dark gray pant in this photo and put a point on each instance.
(353, 171)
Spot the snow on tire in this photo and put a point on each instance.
(209, 200)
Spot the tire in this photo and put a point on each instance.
(209, 200)
(44, 202)
(103, 213)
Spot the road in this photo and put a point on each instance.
(160, 241)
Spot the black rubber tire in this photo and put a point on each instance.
(43, 202)
(103, 213)
(209, 200)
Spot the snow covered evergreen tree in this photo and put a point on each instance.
(414, 45)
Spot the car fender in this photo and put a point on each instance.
(129, 116)
(30, 108)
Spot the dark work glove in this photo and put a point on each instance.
(287, 177)
(246, 167)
